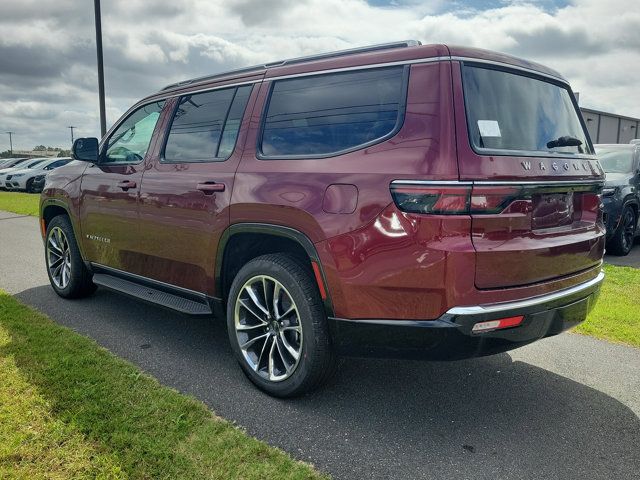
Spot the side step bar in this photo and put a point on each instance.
(152, 295)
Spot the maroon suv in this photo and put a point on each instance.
(397, 200)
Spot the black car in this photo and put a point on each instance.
(38, 184)
(621, 194)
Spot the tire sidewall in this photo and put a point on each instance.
(307, 310)
(77, 264)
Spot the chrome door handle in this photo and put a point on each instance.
(209, 188)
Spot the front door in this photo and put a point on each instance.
(108, 209)
(185, 193)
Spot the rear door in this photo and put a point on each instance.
(185, 194)
(523, 148)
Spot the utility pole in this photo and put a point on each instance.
(70, 127)
(10, 143)
(103, 118)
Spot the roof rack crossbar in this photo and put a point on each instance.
(293, 61)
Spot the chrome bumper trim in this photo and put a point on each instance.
(531, 302)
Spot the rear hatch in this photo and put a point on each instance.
(534, 180)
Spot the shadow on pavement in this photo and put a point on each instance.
(481, 418)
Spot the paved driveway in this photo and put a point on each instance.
(566, 407)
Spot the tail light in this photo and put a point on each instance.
(453, 200)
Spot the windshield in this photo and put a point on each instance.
(33, 164)
(616, 160)
(513, 112)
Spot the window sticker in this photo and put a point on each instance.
(489, 128)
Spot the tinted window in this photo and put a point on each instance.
(206, 125)
(507, 111)
(130, 142)
(33, 164)
(325, 114)
(616, 160)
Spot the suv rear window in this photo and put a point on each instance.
(519, 113)
(326, 114)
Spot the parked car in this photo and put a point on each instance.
(379, 201)
(38, 183)
(621, 194)
(11, 162)
(23, 179)
(27, 164)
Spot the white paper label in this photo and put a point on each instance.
(489, 128)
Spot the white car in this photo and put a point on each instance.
(5, 172)
(22, 179)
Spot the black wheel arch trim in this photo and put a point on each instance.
(275, 230)
(54, 202)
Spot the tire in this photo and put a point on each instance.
(294, 324)
(67, 272)
(622, 241)
(29, 186)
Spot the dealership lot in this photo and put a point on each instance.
(544, 411)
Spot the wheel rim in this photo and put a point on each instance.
(268, 328)
(629, 230)
(58, 257)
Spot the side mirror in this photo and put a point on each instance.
(85, 149)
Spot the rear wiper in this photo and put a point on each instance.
(566, 141)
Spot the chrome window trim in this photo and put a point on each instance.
(543, 183)
(531, 302)
(445, 58)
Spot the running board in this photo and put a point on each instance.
(152, 295)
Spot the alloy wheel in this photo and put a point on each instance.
(58, 258)
(268, 328)
(628, 225)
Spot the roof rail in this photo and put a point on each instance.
(292, 61)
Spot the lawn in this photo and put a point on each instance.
(616, 316)
(19, 202)
(71, 409)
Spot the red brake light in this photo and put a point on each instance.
(446, 200)
(453, 200)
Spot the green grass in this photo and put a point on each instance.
(19, 202)
(616, 315)
(70, 409)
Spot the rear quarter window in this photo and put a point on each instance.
(328, 114)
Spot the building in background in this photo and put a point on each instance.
(610, 128)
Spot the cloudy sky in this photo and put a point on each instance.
(48, 66)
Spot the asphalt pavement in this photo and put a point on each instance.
(563, 408)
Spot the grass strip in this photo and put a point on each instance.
(71, 409)
(20, 203)
(616, 315)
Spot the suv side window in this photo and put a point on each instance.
(205, 125)
(327, 114)
(130, 141)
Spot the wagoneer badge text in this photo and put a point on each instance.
(556, 166)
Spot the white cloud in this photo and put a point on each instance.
(47, 55)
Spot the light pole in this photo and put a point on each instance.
(103, 118)
(71, 127)
(10, 143)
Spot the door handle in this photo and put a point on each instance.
(126, 185)
(209, 188)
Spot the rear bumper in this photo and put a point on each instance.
(450, 337)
